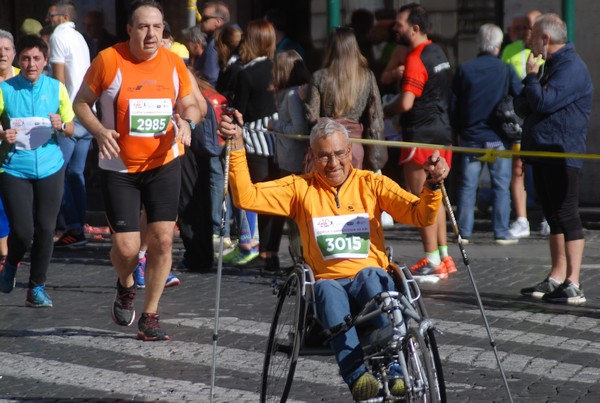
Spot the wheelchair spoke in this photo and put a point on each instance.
(284, 341)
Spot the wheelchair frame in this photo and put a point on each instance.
(411, 344)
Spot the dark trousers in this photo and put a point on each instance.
(270, 227)
(32, 206)
(557, 187)
(194, 220)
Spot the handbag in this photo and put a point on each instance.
(510, 125)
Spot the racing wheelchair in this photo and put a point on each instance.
(408, 342)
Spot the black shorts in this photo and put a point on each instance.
(157, 190)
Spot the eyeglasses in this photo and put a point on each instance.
(53, 15)
(209, 17)
(339, 155)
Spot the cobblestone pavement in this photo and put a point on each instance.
(74, 352)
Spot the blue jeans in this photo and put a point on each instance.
(500, 174)
(75, 150)
(337, 299)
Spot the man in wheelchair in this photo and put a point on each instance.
(338, 211)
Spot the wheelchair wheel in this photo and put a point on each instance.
(423, 386)
(285, 338)
(438, 386)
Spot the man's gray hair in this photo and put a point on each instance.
(221, 10)
(194, 34)
(551, 25)
(326, 127)
(7, 35)
(489, 38)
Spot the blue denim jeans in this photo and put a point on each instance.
(75, 150)
(337, 299)
(500, 174)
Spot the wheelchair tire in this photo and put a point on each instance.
(285, 339)
(421, 369)
(439, 386)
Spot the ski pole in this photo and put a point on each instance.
(481, 309)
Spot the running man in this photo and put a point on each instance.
(139, 84)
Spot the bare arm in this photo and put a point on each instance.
(58, 71)
(188, 110)
(106, 138)
(403, 104)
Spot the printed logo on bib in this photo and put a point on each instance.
(32, 132)
(346, 236)
(149, 117)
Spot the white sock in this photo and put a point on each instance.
(522, 220)
(141, 254)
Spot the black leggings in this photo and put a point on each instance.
(557, 187)
(32, 206)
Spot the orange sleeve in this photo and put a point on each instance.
(415, 74)
(102, 71)
(185, 84)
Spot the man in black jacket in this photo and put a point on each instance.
(556, 104)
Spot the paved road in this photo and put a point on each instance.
(73, 352)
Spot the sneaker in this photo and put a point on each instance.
(425, 268)
(544, 228)
(449, 263)
(123, 311)
(37, 297)
(519, 228)
(172, 281)
(396, 383)
(566, 293)
(541, 289)
(7, 278)
(240, 258)
(70, 240)
(139, 275)
(366, 387)
(149, 328)
(507, 240)
(227, 243)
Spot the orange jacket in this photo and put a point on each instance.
(306, 197)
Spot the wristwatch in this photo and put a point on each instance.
(192, 124)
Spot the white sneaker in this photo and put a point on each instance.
(386, 220)
(544, 228)
(519, 228)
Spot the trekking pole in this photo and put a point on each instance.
(466, 261)
(220, 267)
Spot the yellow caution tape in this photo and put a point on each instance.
(489, 154)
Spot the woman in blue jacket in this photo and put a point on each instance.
(34, 110)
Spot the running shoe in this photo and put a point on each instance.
(519, 228)
(123, 311)
(37, 297)
(139, 275)
(425, 268)
(507, 240)
(239, 257)
(566, 293)
(449, 263)
(8, 278)
(70, 240)
(544, 228)
(149, 328)
(172, 281)
(541, 289)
